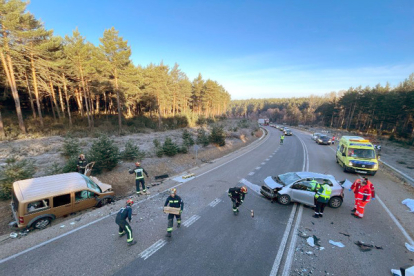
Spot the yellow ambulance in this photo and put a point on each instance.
(356, 154)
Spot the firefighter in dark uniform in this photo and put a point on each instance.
(237, 195)
(139, 177)
(174, 201)
(124, 227)
(82, 162)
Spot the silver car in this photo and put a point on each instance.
(295, 187)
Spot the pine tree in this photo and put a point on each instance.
(105, 153)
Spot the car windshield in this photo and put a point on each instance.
(361, 153)
(288, 178)
(92, 185)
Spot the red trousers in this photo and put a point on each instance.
(360, 207)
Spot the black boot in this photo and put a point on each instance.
(168, 234)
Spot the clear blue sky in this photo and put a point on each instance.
(255, 49)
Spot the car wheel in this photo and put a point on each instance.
(345, 169)
(283, 199)
(42, 223)
(335, 202)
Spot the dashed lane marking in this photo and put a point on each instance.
(191, 220)
(152, 249)
(215, 202)
(251, 173)
(267, 159)
(257, 168)
(263, 163)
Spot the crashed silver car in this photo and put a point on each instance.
(295, 187)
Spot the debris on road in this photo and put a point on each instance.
(310, 241)
(347, 235)
(252, 214)
(410, 204)
(364, 247)
(78, 219)
(316, 239)
(321, 248)
(339, 244)
(395, 272)
(162, 176)
(409, 247)
(303, 235)
(309, 252)
(72, 223)
(14, 235)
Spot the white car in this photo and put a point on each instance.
(295, 187)
(315, 136)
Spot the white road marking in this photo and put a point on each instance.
(291, 252)
(257, 168)
(191, 220)
(267, 159)
(253, 187)
(282, 246)
(251, 173)
(215, 202)
(263, 163)
(152, 249)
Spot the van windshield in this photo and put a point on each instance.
(92, 185)
(361, 153)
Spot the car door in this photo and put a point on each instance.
(300, 192)
(83, 200)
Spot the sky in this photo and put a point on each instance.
(255, 49)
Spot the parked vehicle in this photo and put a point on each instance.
(38, 201)
(294, 187)
(356, 154)
(324, 140)
(288, 132)
(263, 122)
(315, 135)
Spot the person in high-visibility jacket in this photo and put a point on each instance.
(139, 177)
(363, 197)
(81, 165)
(322, 195)
(237, 195)
(282, 137)
(124, 227)
(174, 201)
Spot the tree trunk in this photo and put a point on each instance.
(2, 133)
(62, 105)
(65, 89)
(79, 101)
(8, 67)
(119, 103)
(30, 95)
(88, 93)
(52, 93)
(36, 90)
(97, 105)
(86, 99)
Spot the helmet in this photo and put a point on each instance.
(130, 202)
(173, 191)
(137, 164)
(243, 189)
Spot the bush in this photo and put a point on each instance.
(169, 147)
(104, 153)
(202, 138)
(132, 152)
(183, 149)
(14, 171)
(71, 164)
(218, 136)
(188, 140)
(201, 121)
(159, 152)
(71, 147)
(243, 123)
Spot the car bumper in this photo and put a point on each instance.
(360, 170)
(267, 194)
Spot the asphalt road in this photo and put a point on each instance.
(212, 241)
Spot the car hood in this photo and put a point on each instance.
(104, 187)
(272, 184)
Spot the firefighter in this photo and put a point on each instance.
(139, 177)
(82, 162)
(363, 196)
(174, 201)
(282, 137)
(237, 195)
(124, 227)
(322, 195)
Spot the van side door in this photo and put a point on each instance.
(84, 199)
(62, 205)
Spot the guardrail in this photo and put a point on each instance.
(405, 176)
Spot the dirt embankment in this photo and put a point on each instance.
(46, 154)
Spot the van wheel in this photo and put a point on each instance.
(336, 159)
(42, 223)
(345, 169)
(335, 202)
(104, 202)
(283, 199)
